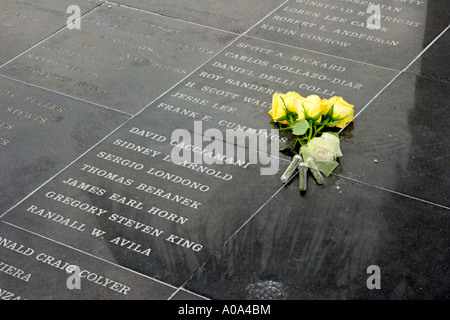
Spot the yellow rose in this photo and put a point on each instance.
(311, 105)
(341, 109)
(278, 109)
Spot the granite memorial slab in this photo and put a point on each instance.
(234, 15)
(41, 132)
(23, 23)
(234, 90)
(400, 141)
(387, 33)
(300, 247)
(142, 200)
(120, 58)
(35, 268)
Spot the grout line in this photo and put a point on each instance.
(392, 191)
(89, 254)
(168, 17)
(66, 95)
(399, 74)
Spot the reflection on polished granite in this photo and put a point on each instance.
(87, 129)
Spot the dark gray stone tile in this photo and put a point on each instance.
(340, 28)
(400, 141)
(434, 62)
(24, 23)
(319, 246)
(35, 268)
(159, 218)
(234, 15)
(120, 58)
(234, 90)
(41, 132)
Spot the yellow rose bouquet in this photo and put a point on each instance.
(308, 118)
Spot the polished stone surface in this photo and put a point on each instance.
(120, 58)
(339, 28)
(405, 132)
(24, 23)
(302, 247)
(233, 15)
(42, 132)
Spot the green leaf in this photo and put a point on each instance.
(300, 127)
(281, 118)
(330, 112)
(316, 117)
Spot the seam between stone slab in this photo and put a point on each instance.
(49, 36)
(91, 255)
